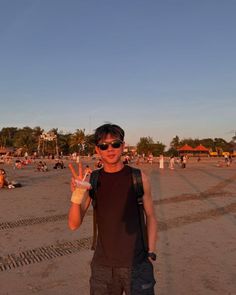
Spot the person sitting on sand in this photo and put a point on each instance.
(5, 183)
(18, 164)
(59, 164)
(41, 166)
(3, 180)
(45, 167)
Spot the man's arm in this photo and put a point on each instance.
(150, 214)
(77, 212)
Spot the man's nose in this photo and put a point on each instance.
(110, 147)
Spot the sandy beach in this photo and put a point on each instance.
(195, 207)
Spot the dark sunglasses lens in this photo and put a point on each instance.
(116, 144)
(103, 146)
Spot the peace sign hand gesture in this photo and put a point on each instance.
(79, 186)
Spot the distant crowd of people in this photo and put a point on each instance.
(171, 162)
(161, 160)
(41, 166)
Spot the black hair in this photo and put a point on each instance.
(112, 129)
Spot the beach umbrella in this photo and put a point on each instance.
(186, 148)
(201, 148)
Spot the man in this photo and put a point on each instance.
(120, 263)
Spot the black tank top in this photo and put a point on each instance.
(119, 242)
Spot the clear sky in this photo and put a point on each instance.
(158, 68)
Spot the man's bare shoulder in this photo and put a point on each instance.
(145, 178)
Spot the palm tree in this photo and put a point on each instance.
(77, 140)
(64, 142)
(24, 139)
(89, 144)
(6, 136)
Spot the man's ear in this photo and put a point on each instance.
(97, 150)
(123, 146)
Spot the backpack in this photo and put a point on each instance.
(138, 187)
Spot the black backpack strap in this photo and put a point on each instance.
(138, 187)
(94, 183)
(137, 182)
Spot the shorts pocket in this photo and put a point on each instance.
(142, 279)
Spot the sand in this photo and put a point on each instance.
(195, 207)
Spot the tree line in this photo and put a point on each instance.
(218, 145)
(146, 145)
(27, 139)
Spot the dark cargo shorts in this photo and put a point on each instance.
(138, 280)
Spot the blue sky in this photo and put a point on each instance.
(158, 68)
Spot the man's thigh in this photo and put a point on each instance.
(138, 280)
(103, 281)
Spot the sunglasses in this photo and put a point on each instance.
(115, 144)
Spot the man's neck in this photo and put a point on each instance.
(111, 168)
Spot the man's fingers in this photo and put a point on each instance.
(72, 169)
(80, 169)
(77, 175)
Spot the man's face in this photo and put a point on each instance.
(112, 155)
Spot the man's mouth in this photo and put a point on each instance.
(111, 156)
